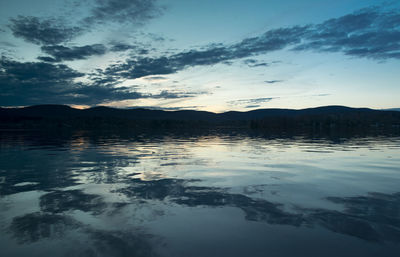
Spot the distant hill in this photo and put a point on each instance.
(393, 109)
(64, 111)
(319, 118)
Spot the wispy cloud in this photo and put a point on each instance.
(273, 81)
(177, 108)
(251, 103)
(155, 78)
(252, 106)
(322, 95)
(255, 63)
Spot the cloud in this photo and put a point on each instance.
(47, 59)
(7, 44)
(26, 83)
(322, 95)
(63, 53)
(42, 31)
(30, 83)
(273, 81)
(177, 108)
(165, 94)
(123, 11)
(368, 33)
(155, 78)
(255, 63)
(371, 33)
(121, 47)
(155, 37)
(251, 103)
(36, 72)
(145, 66)
(252, 106)
(214, 54)
(53, 31)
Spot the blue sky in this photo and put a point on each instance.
(204, 55)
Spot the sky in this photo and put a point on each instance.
(201, 55)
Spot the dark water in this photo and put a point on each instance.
(198, 195)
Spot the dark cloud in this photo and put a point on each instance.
(36, 72)
(47, 59)
(26, 83)
(142, 67)
(30, 83)
(146, 66)
(42, 31)
(120, 47)
(63, 53)
(123, 11)
(369, 33)
(53, 31)
(213, 54)
(273, 81)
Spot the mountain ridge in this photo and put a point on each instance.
(323, 118)
(143, 113)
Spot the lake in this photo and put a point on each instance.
(205, 194)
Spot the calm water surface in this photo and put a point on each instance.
(198, 195)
